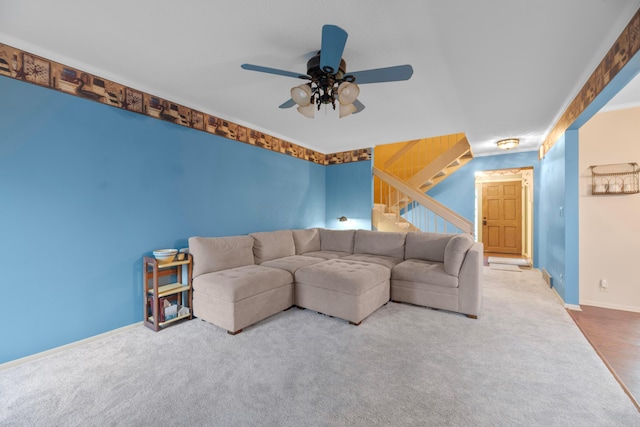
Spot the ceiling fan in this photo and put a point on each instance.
(328, 78)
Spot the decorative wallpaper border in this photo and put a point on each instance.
(627, 44)
(21, 65)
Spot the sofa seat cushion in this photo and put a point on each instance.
(292, 263)
(220, 253)
(270, 245)
(386, 261)
(339, 275)
(327, 254)
(417, 270)
(236, 284)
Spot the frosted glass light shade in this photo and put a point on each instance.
(347, 93)
(346, 110)
(507, 144)
(307, 111)
(301, 95)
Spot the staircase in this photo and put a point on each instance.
(404, 172)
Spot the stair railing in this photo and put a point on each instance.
(402, 207)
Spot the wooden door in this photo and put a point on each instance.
(502, 217)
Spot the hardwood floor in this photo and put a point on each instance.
(615, 335)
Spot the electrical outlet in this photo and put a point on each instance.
(604, 285)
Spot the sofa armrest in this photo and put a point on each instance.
(470, 281)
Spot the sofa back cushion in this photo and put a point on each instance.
(426, 246)
(307, 240)
(220, 253)
(379, 243)
(270, 245)
(455, 252)
(337, 240)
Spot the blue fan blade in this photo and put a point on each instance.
(333, 40)
(288, 104)
(261, 69)
(380, 75)
(359, 106)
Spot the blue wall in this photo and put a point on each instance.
(571, 219)
(559, 246)
(350, 194)
(458, 191)
(559, 216)
(86, 190)
(552, 215)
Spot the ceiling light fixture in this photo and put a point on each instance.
(509, 143)
(326, 87)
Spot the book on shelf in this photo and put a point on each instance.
(150, 301)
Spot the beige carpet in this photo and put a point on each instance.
(523, 362)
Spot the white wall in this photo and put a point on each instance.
(609, 224)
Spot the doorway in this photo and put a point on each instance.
(504, 211)
(502, 217)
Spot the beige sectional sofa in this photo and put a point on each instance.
(240, 280)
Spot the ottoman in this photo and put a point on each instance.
(350, 290)
(238, 297)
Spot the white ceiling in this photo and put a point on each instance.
(628, 97)
(491, 69)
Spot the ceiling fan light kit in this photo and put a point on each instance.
(509, 143)
(307, 110)
(325, 88)
(348, 93)
(328, 78)
(301, 95)
(346, 110)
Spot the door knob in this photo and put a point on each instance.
(484, 221)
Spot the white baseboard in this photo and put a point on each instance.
(611, 306)
(45, 353)
(574, 307)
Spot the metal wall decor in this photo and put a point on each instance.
(618, 178)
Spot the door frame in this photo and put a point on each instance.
(525, 176)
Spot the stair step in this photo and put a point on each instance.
(403, 224)
(391, 215)
(394, 207)
(380, 207)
